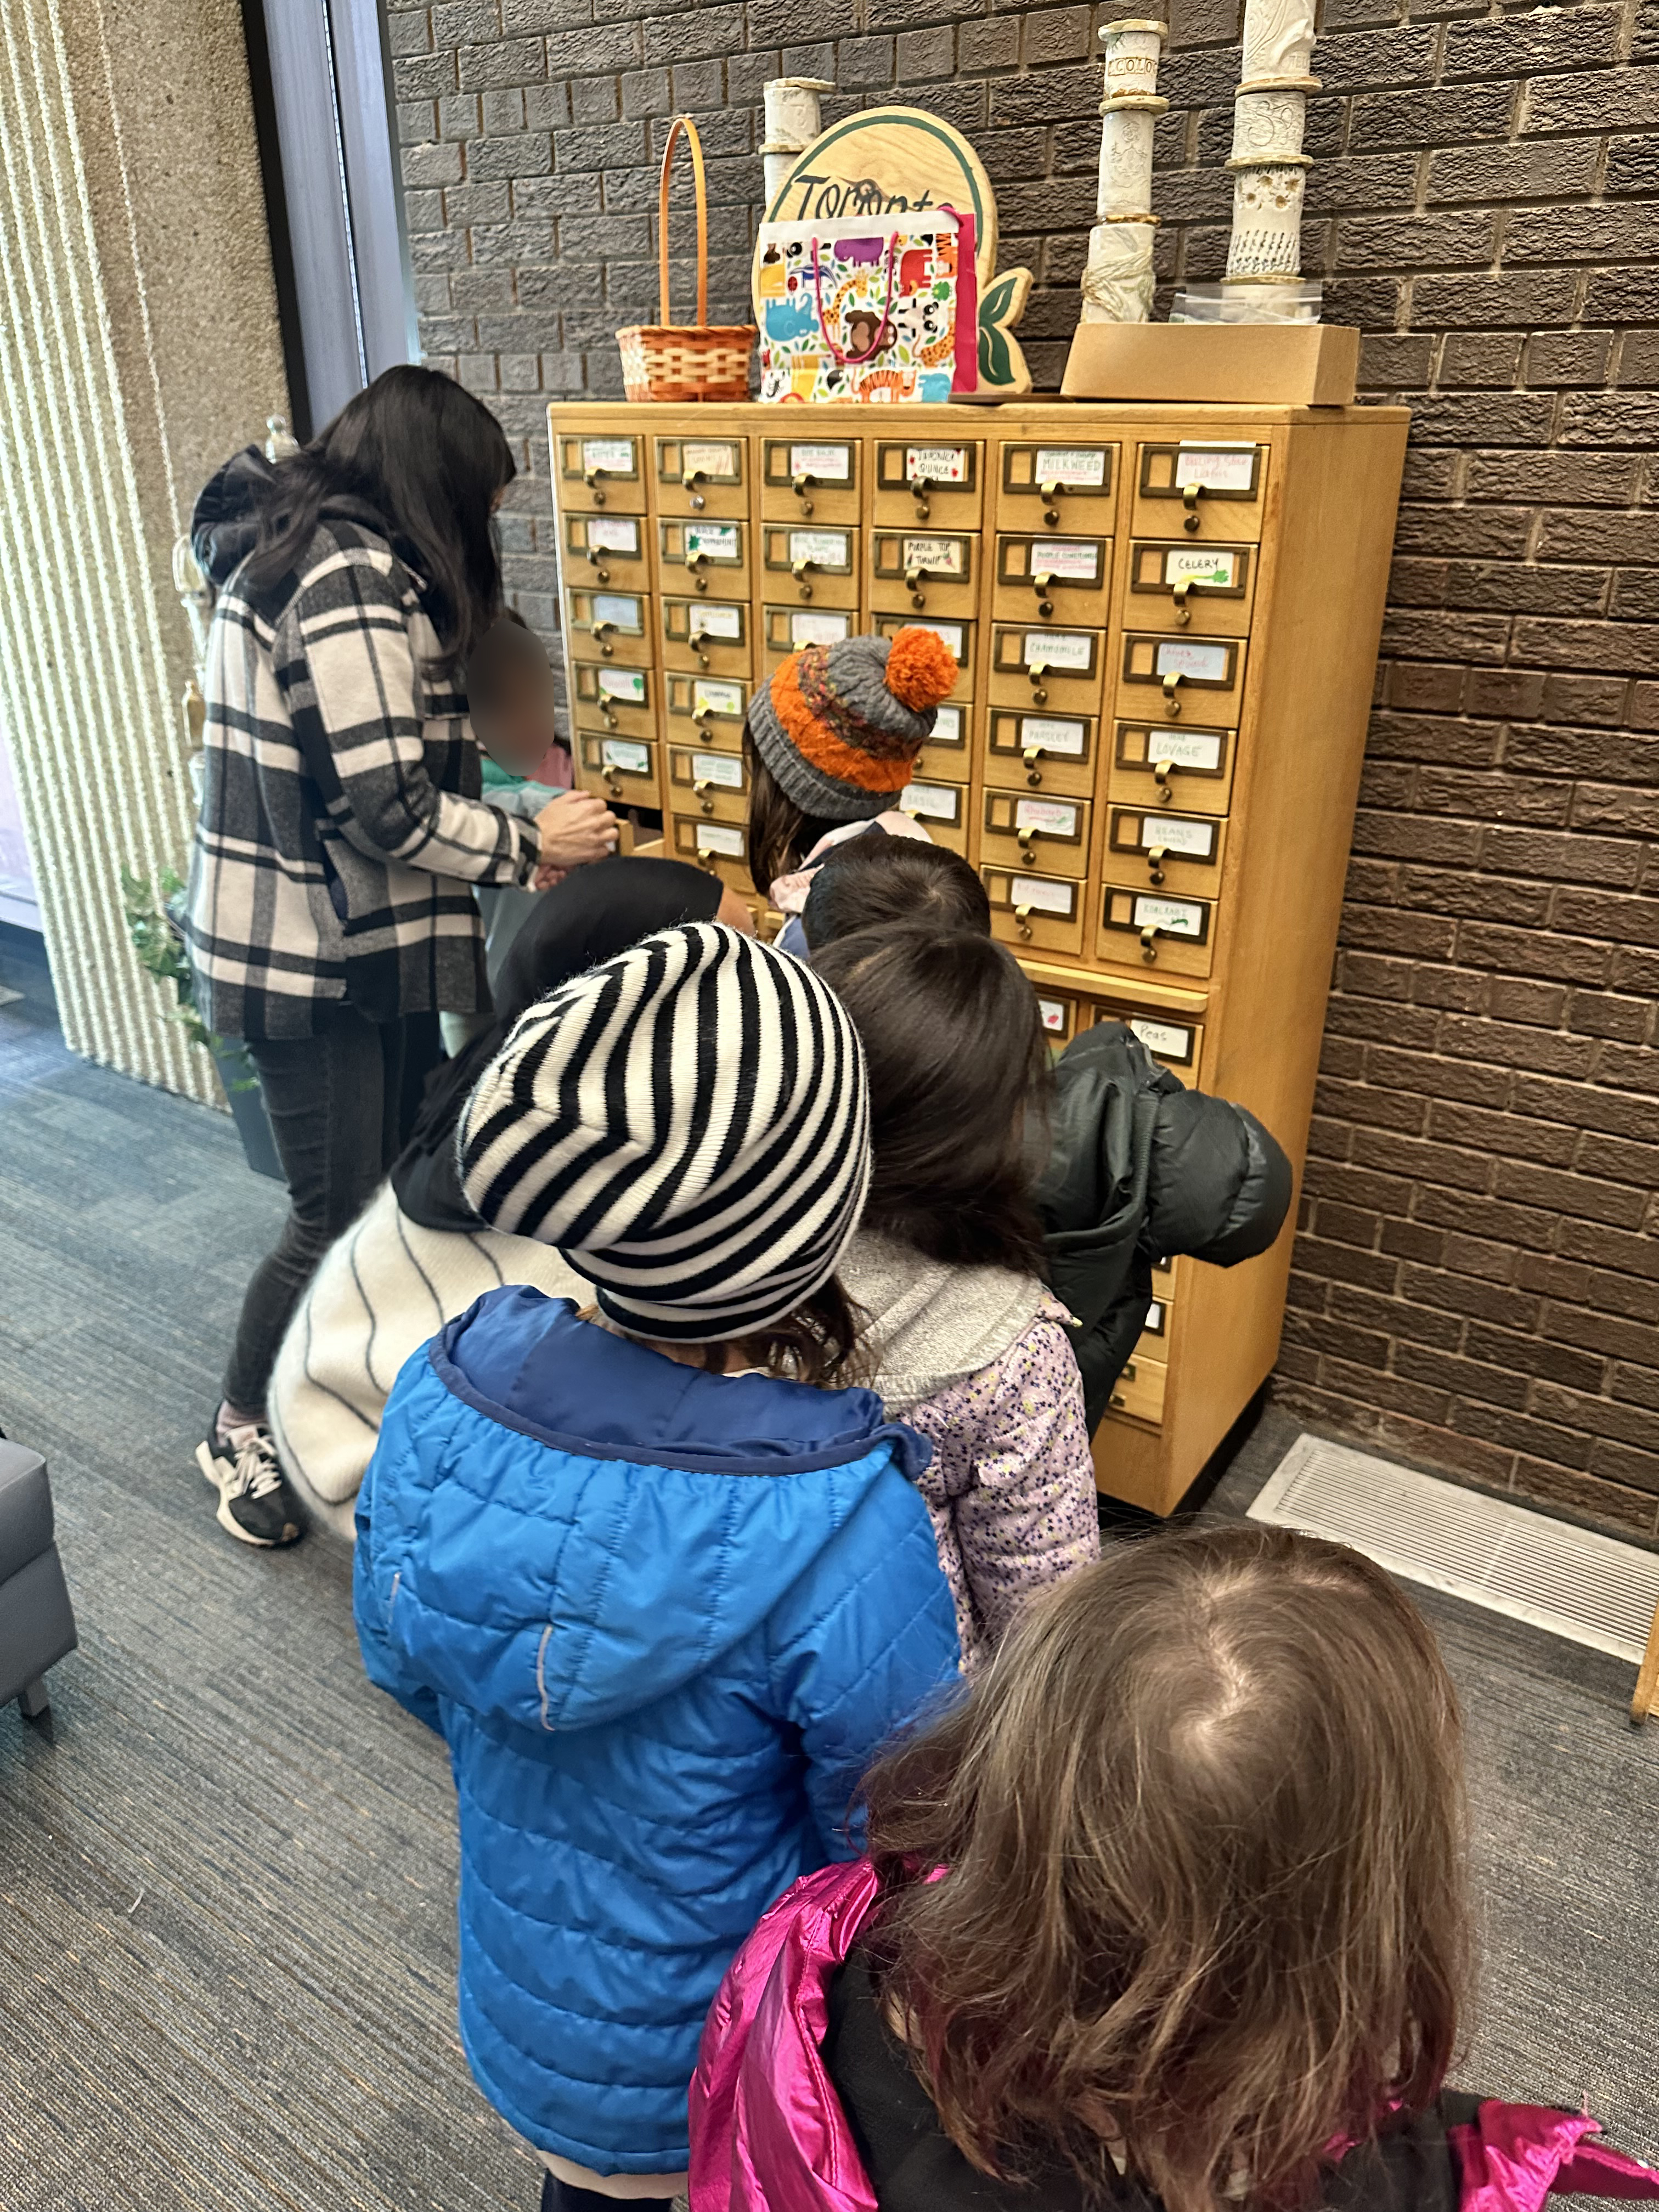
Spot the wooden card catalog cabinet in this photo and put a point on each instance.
(1166, 621)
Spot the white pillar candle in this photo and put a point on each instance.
(793, 122)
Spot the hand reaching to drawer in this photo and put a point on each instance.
(575, 828)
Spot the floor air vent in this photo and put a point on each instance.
(1591, 1588)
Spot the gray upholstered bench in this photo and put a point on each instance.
(37, 1623)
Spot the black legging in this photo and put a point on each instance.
(564, 2196)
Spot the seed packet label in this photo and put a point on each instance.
(1217, 468)
(709, 697)
(940, 465)
(715, 541)
(615, 456)
(948, 634)
(940, 556)
(825, 549)
(624, 753)
(627, 684)
(827, 463)
(719, 837)
(1051, 1014)
(936, 802)
(1175, 917)
(1168, 1040)
(1187, 656)
(1071, 464)
(614, 533)
(1199, 748)
(619, 608)
(1153, 1324)
(819, 628)
(1198, 564)
(1051, 816)
(1054, 733)
(709, 460)
(1073, 559)
(1178, 833)
(715, 619)
(947, 727)
(1058, 648)
(718, 768)
(1042, 896)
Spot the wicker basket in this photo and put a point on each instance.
(685, 360)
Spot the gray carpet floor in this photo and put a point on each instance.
(227, 1879)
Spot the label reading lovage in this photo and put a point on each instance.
(708, 696)
(624, 753)
(715, 618)
(1189, 749)
(715, 541)
(718, 768)
(1052, 816)
(1071, 464)
(940, 465)
(1166, 1040)
(1067, 650)
(1198, 662)
(1178, 833)
(824, 549)
(938, 802)
(611, 456)
(1073, 560)
(1199, 564)
(1175, 917)
(1042, 896)
(826, 464)
(1217, 468)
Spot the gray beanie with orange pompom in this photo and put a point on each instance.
(840, 726)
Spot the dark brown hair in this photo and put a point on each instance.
(1203, 1821)
(959, 1083)
(781, 834)
(877, 879)
(821, 1343)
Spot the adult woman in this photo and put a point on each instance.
(332, 917)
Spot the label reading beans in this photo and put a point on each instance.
(935, 802)
(627, 684)
(1042, 896)
(827, 464)
(1073, 560)
(940, 465)
(819, 628)
(715, 619)
(1064, 649)
(1083, 466)
(1175, 917)
(611, 456)
(624, 753)
(1217, 468)
(718, 768)
(1052, 817)
(1178, 833)
(710, 697)
(824, 549)
(1198, 662)
(614, 533)
(1164, 1040)
(1054, 733)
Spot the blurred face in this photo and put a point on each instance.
(516, 728)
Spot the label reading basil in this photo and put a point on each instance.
(620, 609)
(625, 684)
(1073, 560)
(614, 456)
(829, 463)
(1191, 749)
(1186, 656)
(1167, 1040)
(716, 618)
(709, 461)
(1042, 896)
(1178, 833)
(1217, 468)
(1061, 648)
(940, 556)
(825, 549)
(716, 698)
(1198, 564)
(719, 837)
(718, 768)
(614, 533)
(1052, 816)
(624, 753)
(1175, 917)
(1052, 1012)
(715, 541)
(1051, 733)
(947, 727)
(947, 465)
(938, 802)
(816, 628)
(1071, 464)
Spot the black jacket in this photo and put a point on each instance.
(1140, 1168)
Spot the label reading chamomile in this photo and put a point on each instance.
(1069, 650)
(1054, 733)
(710, 460)
(1052, 817)
(624, 753)
(934, 802)
(1175, 917)
(1042, 896)
(818, 628)
(1071, 560)
(614, 533)
(1051, 1014)
(719, 837)
(1083, 467)
(823, 464)
(1164, 1040)
(821, 548)
(715, 541)
(1217, 468)
(939, 464)
(1178, 833)
(716, 618)
(1201, 565)
(719, 768)
(709, 697)
(1188, 657)
(627, 684)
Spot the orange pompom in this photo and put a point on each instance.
(922, 669)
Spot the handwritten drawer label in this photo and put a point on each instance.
(824, 548)
(624, 753)
(709, 460)
(1175, 917)
(717, 619)
(1073, 560)
(1053, 1014)
(620, 609)
(719, 837)
(715, 541)
(711, 697)
(718, 768)
(938, 802)
(949, 633)
(940, 465)
(1197, 564)
(1052, 816)
(612, 456)
(1168, 1040)
(1061, 648)
(1187, 656)
(947, 728)
(1051, 733)
(819, 628)
(627, 684)
(940, 556)
(1178, 833)
(1153, 1324)
(614, 533)
(1194, 748)
(1071, 464)
(829, 463)
(1217, 468)
(1042, 896)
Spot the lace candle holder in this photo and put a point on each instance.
(1267, 235)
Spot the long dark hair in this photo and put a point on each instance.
(1205, 1900)
(430, 460)
(780, 832)
(959, 1084)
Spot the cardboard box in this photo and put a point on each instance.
(1280, 364)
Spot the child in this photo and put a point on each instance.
(871, 882)
(662, 1599)
(971, 1349)
(1173, 1913)
(511, 697)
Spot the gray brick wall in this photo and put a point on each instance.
(1477, 1277)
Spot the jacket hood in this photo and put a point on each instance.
(932, 1323)
(225, 520)
(638, 1518)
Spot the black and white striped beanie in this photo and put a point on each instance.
(689, 1124)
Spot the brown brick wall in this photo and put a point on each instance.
(1477, 1277)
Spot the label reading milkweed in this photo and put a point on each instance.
(1083, 466)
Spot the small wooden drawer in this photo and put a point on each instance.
(1164, 1280)
(711, 636)
(1207, 590)
(713, 704)
(624, 769)
(1176, 770)
(1035, 912)
(958, 637)
(1062, 1016)
(930, 571)
(702, 476)
(1153, 1342)
(943, 758)
(1138, 1391)
(942, 811)
(1021, 831)
(784, 630)
(1052, 580)
(1175, 1040)
(1173, 852)
(1201, 679)
(608, 697)
(1056, 487)
(607, 548)
(712, 783)
(1172, 934)
(810, 479)
(1046, 751)
(810, 562)
(715, 556)
(1200, 488)
(933, 481)
(611, 624)
(719, 848)
(600, 472)
(1046, 670)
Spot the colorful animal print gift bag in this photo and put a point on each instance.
(873, 306)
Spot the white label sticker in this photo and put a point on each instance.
(709, 460)
(819, 628)
(1042, 896)
(1052, 816)
(948, 634)
(1168, 1040)
(1186, 656)
(940, 465)
(615, 456)
(1198, 564)
(1217, 468)
(825, 549)
(1051, 733)
(625, 684)
(1153, 1324)
(719, 837)
(1058, 648)
(938, 802)
(1178, 833)
(1073, 559)
(1175, 917)
(718, 768)
(624, 753)
(947, 728)
(715, 618)
(716, 541)
(1193, 749)
(940, 556)
(716, 698)
(1051, 1014)
(827, 464)
(619, 608)
(614, 533)
(1071, 464)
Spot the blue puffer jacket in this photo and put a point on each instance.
(659, 1676)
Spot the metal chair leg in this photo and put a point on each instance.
(32, 1700)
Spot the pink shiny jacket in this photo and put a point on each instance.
(769, 2135)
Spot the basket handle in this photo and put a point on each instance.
(684, 122)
